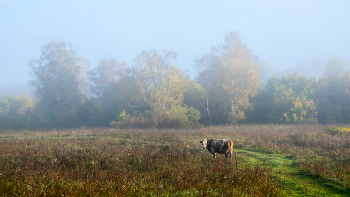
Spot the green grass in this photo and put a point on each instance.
(294, 181)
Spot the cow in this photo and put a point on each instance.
(221, 146)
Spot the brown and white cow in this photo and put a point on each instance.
(221, 146)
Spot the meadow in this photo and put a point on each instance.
(268, 160)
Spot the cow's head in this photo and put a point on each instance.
(204, 142)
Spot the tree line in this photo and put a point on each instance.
(154, 92)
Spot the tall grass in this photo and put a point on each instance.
(118, 162)
(90, 162)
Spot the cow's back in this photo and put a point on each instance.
(220, 145)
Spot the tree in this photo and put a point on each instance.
(23, 104)
(6, 121)
(151, 69)
(55, 76)
(286, 99)
(84, 112)
(83, 78)
(170, 92)
(16, 112)
(231, 77)
(161, 87)
(333, 97)
(107, 73)
(197, 98)
(5, 104)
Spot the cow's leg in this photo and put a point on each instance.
(212, 151)
(228, 153)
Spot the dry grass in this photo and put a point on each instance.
(89, 162)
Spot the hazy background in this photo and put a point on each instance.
(287, 35)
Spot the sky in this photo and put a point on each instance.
(283, 33)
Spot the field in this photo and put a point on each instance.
(268, 160)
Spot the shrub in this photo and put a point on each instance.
(184, 117)
(338, 130)
(121, 119)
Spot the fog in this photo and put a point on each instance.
(288, 35)
(16, 88)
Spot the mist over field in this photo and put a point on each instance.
(181, 64)
(175, 98)
(284, 34)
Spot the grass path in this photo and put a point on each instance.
(294, 181)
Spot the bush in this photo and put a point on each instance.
(120, 120)
(184, 117)
(338, 130)
(126, 121)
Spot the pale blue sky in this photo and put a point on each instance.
(282, 33)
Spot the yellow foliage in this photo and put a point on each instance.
(23, 103)
(338, 130)
(297, 104)
(310, 105)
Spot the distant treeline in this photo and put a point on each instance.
(154, 92)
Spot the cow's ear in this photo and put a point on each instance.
(201, 141)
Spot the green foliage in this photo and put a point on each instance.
(193, 116)
(98, 115)
(120, 120)
(16, 112)
(121, 117)
(5, 104)
(45, 118)
(286, 100)
(183, 117)
(338, 130)
(84, 111)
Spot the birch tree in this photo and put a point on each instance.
(55, 76)
(162, 86)
(152, 68)
(231, 77)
